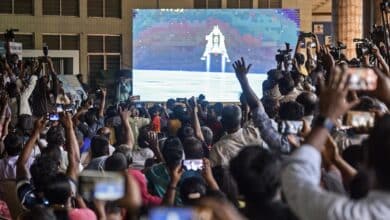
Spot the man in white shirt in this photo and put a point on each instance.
(236, 138)
(13, 146)
(301, 176)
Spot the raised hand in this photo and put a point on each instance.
(124, 113)
(176, 174)
(153, 141)
(241, 69)
(66, 119)
(382, 91)
(333, 98)
(40, 124)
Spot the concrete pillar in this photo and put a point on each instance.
(348, 23)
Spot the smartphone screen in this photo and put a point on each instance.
(363, 79)
(171, 213)
(358, 119)
(194, 165)
(54, 117)
(107, 186)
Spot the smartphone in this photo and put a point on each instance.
(358, 119)
(45, 49)
(138, 105)
(171, 213)
(194, 165)
(290, 127)
(363, 79)
(105, 186)
(54, 117)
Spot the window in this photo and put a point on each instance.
(17, 6)
(105, 8)
(27, 40)
(52, 41)
(63, 65)
(95, 8)
(113, 8)
(207, 3)
(214, 4)
(239, 4)
(104, 53)
(95, 44)
(23, 7)
(270, 3)
(62, 42)
(61, 7)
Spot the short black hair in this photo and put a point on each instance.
(172, 152)
(43, 170)
(291, 111)
(13, 144)
(184, 132)
(309, 102)
(115, 162)
(286, 84)
(58, 190)
(99, 146)
(193, 148)
(55, 136)
(257, 173)
(192, 189)
(126, 151)
(53, 152)
(231, 117)
(271, 106)
(274, 75)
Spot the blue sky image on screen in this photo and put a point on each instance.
(184, 52)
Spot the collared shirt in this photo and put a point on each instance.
(300, 182)
(8, 167)
(269, 134)
(230, 144)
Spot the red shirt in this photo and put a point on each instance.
(147, 198)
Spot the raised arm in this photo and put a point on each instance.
(332, 157)
(21, 171)
(72, 146)
(385, 67)
(272, 137)
(195, 119)
(102, 102)
(129, 137)
(170, 193)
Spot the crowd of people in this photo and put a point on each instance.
(287, 155)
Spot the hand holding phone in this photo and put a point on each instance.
(359, 119)
(362, 79)
(194, 165)
(107, 186)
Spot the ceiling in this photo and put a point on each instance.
(321, 6)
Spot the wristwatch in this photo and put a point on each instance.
(325, 122)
